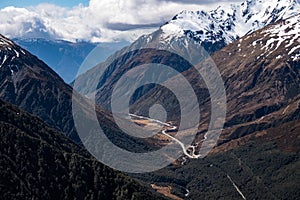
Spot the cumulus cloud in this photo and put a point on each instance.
(100, 21)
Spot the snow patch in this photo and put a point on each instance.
(286, 32)
(3, 61)
(230, 24)
(17, 53)
(294, 49)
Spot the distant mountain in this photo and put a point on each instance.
(66, 57)
(37, 162)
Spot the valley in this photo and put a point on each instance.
(128, 127)
(166, 128)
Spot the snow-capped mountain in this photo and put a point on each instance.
(211, 30)
(225, 25)
(259, 70)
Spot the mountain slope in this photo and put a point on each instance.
(29, 83)
(186, 34)
(37, 162)
(267, 67)
(258, 149)
(261, 76)
(264, 165)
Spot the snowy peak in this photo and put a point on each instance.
(229, 24)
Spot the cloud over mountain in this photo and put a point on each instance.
(104, 20)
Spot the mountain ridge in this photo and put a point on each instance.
(229, 24)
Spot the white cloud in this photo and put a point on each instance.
(95, 21)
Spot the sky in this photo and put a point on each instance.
(25, 3)
(92, 20)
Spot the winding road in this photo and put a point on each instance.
(191, 155)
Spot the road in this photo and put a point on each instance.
(190, 155)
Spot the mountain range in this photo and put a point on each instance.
(259, 146)
(260, 69)
(64, 57)
(256, 48)
(167, 37)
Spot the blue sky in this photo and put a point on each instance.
(25, 3)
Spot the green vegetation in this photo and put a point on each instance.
(37, 162)
(260, 170)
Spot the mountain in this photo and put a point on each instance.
(29, 83)
(261, 76)
(225, 25)
(258, 149)
(66, 57)
(37, 162)
(194, 34)
(257, 156)
(260, 72)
